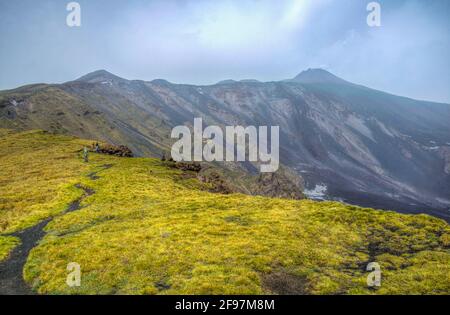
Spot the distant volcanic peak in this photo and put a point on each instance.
(100, 76)
(317, 76)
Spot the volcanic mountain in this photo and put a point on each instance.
(343, 141)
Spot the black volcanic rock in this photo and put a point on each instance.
(120, 150)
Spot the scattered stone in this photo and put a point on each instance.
(120, 150)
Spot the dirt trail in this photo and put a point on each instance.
(94, 176)
(11, 269)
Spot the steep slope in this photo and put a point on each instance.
(347, 142)
(103, 106)
(147, 228)
(50, 108)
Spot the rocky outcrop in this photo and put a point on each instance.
(188, 167)
(217, 182)
(120, 150)
(277, 185)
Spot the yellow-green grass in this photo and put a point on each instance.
(7, 243)
(150, 230)
(37, 177)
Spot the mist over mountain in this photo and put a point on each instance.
(344, 141)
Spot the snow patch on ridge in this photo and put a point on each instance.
(317, 193)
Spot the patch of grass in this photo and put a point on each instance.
(146, 230)
(37, 177)
(7, 243)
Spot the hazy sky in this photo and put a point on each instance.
(204, 41)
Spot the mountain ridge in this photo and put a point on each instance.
(308, 76)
